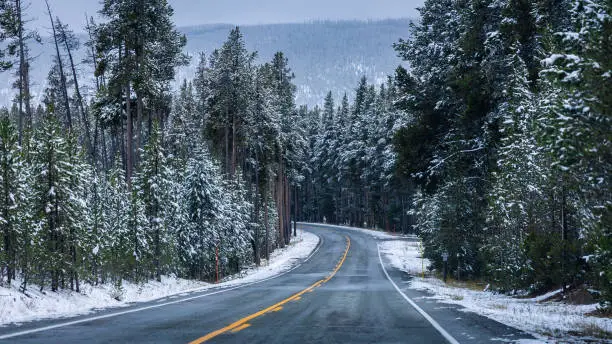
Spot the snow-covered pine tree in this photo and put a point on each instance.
(153, 186)
(13, 197)
(184, 124)
(234, 221)
(202, 202)
(324, 154)
(516, 192)
(574, 128)
(229, 82)
(145, 66)
(116, 250)
(61, 211)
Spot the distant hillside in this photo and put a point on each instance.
(323, 55)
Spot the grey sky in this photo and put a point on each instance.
(241, 12)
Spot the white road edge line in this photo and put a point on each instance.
(69, 323)
(431, 320)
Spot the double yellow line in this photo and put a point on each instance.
(243, 323)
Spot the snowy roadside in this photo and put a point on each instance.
(550, 319)
(374, 233)
(15, 307)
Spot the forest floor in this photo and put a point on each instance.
(541, 316)
(17, 307)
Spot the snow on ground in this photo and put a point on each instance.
(531, 315)
(15, 307)
(374, 233)
(280, 260)
(405, 255)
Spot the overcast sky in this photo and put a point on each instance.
(241, 12)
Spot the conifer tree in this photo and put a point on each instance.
(13, 194)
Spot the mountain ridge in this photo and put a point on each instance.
(324, 55)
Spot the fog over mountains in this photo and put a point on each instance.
(325, 55)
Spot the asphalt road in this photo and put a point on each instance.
(341, 294)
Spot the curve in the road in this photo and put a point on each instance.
(243, 323)
(158, 305)
(357, 305)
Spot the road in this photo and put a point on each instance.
(340, 294)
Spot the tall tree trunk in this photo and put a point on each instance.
(267, 225)
(61, 70)
(77, 91)
(138, 139)
(24, 71)
(129, 130)
(295, 210)
(227, 158)
(233, 169)
(157, 229)
(280, 202)
(92, 50)
(129, 137)
(256, 247)
(287, 203)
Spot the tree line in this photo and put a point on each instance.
(509, 143)
(142, 180)
(494, 145)
(351, 159)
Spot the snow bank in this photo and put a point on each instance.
(280, 260)
(531, 315)
(374, 233)
(548, 318)
(405, 256)
(15, 307)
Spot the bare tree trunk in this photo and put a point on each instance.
(7, 232)
(295, 210)
(128, 138)
(280, 202)
(267, 225)
(227, 159)
(233, 170)
(256, 247)
(138, 139)
(287, 207)
(24, 79)
(60, 64)
(92, 51)
(77, 91)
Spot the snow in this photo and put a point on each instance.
(281, 260)
(532, 315)
(374, 233)
(552, 59)
(405, 255)
(15, 307)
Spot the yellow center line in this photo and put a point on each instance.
(241, 327)
(240, 324)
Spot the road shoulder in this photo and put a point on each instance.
(20, 311)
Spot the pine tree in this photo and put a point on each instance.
(230, 75)
(13, 23)
(573, 129)
(516, 195)
(62, 211)
(13, 173)
(153, 186)
(202, 197)
(139, 49)
(184, 124)
(116, 249)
